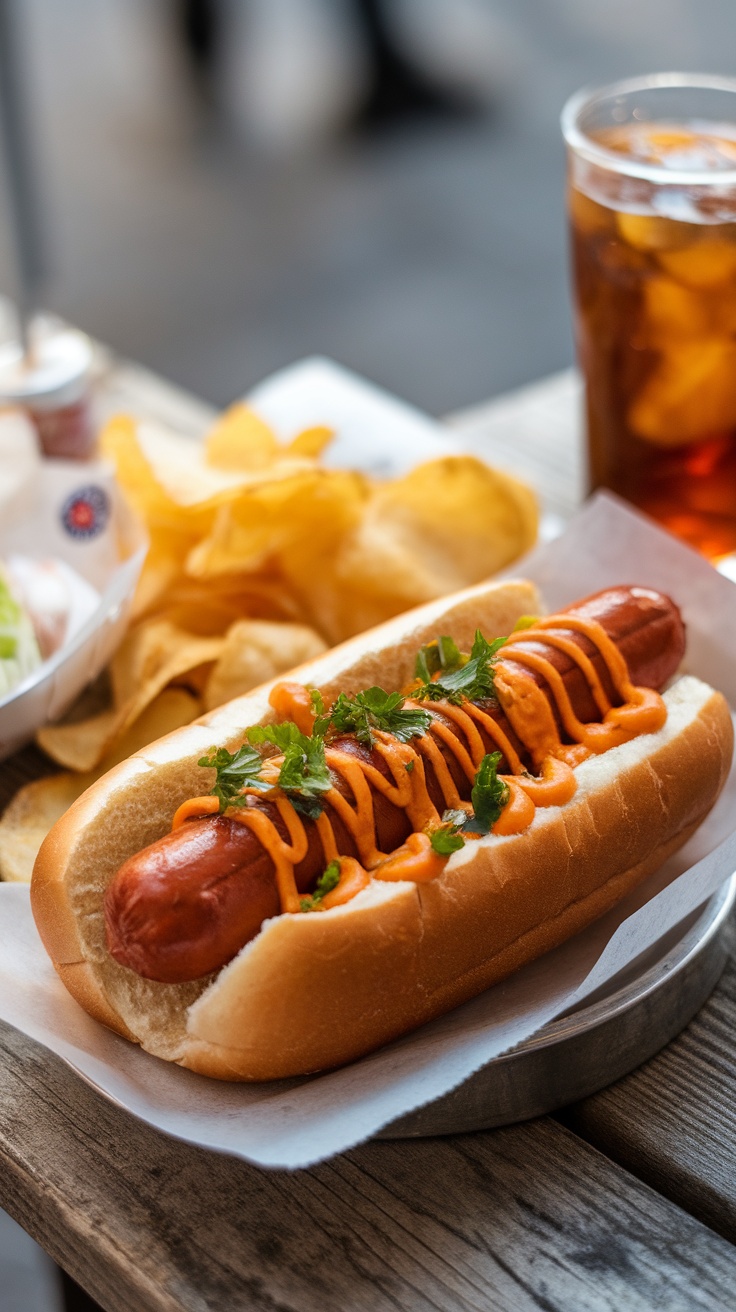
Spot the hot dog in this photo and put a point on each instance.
(140, 923)
(187, 904)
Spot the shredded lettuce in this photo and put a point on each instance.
(19, 654)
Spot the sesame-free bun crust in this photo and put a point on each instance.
(312, 992)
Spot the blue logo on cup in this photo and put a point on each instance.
(85, 512)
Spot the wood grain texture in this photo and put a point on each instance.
(673, 1121)
(524, 1218)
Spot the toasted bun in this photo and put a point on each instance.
(313, 992)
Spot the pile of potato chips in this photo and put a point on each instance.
(260, 558)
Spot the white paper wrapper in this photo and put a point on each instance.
(298, 1122)
(374, 431)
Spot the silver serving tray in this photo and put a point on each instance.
(588, 1048)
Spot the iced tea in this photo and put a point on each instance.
(655, 278)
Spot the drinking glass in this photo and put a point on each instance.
(652, 201)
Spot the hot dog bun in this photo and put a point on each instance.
(314, 991)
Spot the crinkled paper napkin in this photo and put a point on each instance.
(298, 1122)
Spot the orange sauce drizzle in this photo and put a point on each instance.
(285, 856)
(429, 748)
(518, 812)
(528, 707)
(192, 807)
(577, 655)
(494, 731)
(416, 860)
(353, 879)
(291, 701)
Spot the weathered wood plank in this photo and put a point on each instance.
(673, 1121)
(524, 1218)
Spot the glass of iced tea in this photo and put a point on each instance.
(652, 198)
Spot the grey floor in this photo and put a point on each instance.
(216, 248)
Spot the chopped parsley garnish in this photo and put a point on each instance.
(409, 766)
(304, 775)
(442, 654)
(447, 839)
(235, 771)
(325, 884)
(489, 796)
(315, 697)
(376, 709)
(472, 681)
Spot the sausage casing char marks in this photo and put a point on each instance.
(185, 906)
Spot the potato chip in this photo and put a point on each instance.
(265, 533)
(447, 524)
(152, 654)
(311, 442)
(323, 525)
(308, 514)
(119, 443)
(162, 569)
(179, 468)
(79, 746)
(28, 818)
(37, 806)
(256, 651)
(466, 519)
(170, 481)
(240, 440)
(258, 554)
(247, 533)
(209, 607)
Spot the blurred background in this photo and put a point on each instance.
(228, 185)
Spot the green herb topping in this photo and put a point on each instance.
(315, 697)
(472, 681)
(489, 796)
(447, 839)
(442, 654)
(235, 771)
(304, 775)
(325, 884)
(376, 709)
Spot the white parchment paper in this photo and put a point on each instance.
(298, 1122)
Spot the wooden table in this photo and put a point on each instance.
(625, 1202)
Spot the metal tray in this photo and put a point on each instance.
(590, 1047)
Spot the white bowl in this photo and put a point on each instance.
(107, 547)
